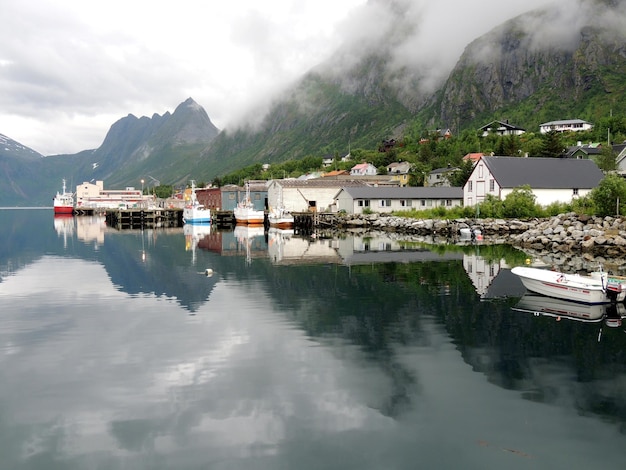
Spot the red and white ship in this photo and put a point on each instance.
(63, 202)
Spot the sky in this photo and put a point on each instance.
(69, 69)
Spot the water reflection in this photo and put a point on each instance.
(381, 343)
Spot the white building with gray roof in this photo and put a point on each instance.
(551, 179)
(355, 200)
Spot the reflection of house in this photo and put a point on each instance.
(501, 128)
(355, 200)
(306, 195)
(569, 125)
(491, 280)
(551, 179)
(441, 176)
(363, 169)
(285, 248)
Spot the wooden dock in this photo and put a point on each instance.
(143, 218)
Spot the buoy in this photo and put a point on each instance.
(208, 272)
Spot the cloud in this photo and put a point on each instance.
(70, 69)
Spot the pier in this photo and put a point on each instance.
(143, 218)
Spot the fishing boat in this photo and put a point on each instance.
(573, 287)
(280, 217)
(246, 214)
(194, 212)
(63, 202)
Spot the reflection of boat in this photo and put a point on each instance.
(64, 226)
(470, 234)
(573, 287)
(549, 306)
(194, 212)
(245, 213)
(194, 233)
(63, 202)
(280, 217)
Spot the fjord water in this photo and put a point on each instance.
(118, 351)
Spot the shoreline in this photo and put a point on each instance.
(566, 239)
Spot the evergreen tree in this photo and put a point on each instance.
(551, 147)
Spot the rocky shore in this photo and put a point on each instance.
(558, 238)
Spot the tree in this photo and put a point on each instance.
(607, 159)
(608, 195)
(520, 203)
(459, 178)
(551, 147)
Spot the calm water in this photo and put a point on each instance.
(117, 351)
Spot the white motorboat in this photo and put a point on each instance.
(194, 212)
(574, 287)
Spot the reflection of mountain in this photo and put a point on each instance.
(377, 308)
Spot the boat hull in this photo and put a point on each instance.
(64, 210)
(567, 286)
(196, 216)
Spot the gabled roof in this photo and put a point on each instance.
(564, 122)
(544, 173)
(318, 183)
(444, 170)
(407, 192)
(473, 156)
(501, 125)
(360, 166)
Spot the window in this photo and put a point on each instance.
(422, 203)
(363, 202)
(385, 203)
(448, 202)
(492, 185)
(575, 191)
(231, 196)
(406, 203)
(257, 196)
(470, 186)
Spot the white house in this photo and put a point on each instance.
(441, 176)
(363, 169)
(306, 195)
(569, 125)
(501, 128)
(355, 200)
(551, 179)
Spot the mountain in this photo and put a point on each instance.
(554, 63)
(542, 66)
(133, 149)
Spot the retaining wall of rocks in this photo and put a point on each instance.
(566, 233)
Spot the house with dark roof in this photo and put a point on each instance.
(501, 128)
(551, 179)
(354, 200)
(581, 150)
(441, 176)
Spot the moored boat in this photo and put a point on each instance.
(574, 287)
(63, 202)
(279, 217)
(246, 214)
(194, 212)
